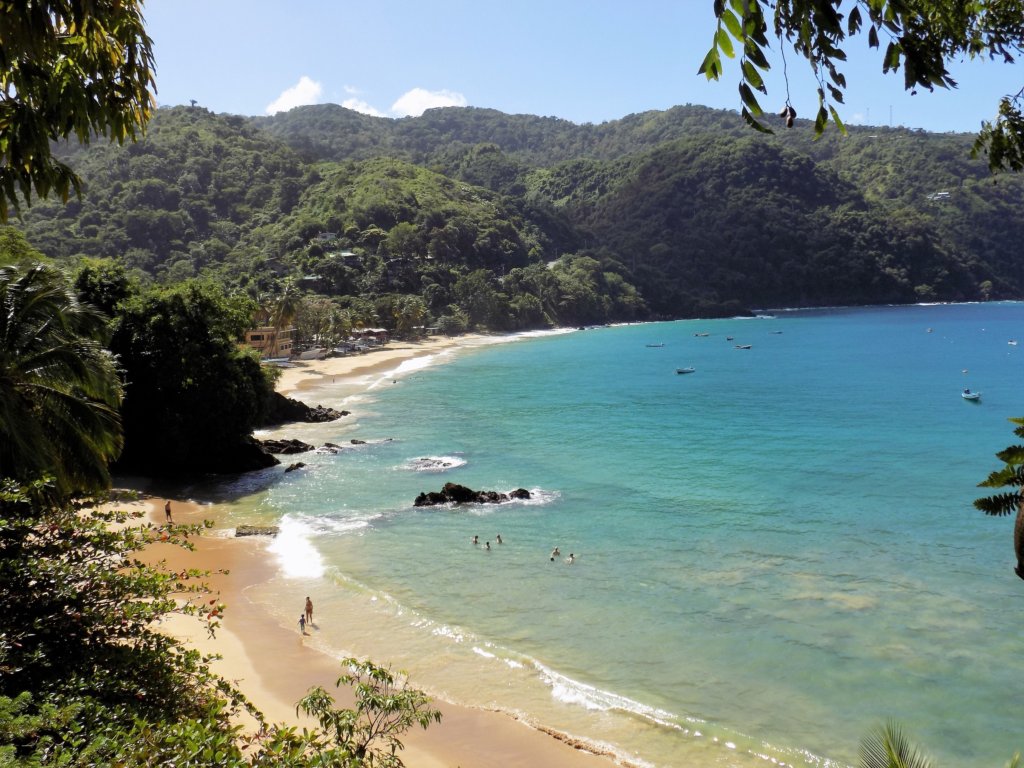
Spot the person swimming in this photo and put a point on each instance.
(570, 559)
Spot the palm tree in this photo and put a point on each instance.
(887, 747)
(59, 389)
(1012, 476)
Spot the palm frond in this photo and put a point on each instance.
(999, 505)
(1003, 477)
(1014, 454)
(888, 747)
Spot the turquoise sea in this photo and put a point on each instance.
(774, 554)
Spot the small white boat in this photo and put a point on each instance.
(655, 345)
(972, 396)
(744, 346)
(685, 370)
(701, 335)
(1012, 342)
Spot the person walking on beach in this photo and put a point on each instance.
(167, 512)
(302, 623)
(309, 611)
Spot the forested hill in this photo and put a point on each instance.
(514, 221)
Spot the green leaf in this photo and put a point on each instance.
(1012, 455)
(1003, 477)
(873, 37)
(891, 62)
(711, 67)
(753, 52)
(756, 125)
(733, 24)
(819, 121)
(853, 23)
(725, 42)
(752, 76)
(750, 100)
(887, 747)
(999, 505)
(839, 123)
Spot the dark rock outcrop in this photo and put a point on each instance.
(293, 467)
(285, 410)
(286, 447)
(248, 456)
(453, 493)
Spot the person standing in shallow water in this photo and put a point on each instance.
(309, 611)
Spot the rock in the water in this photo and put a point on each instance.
(257, 530)
(281, 410)
(293, 467)
(453, 493)
(286, 446)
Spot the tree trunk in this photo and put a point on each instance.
(1018, 538)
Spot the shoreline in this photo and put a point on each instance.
(274, 666)
(303, 375)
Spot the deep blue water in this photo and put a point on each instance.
(775, 553)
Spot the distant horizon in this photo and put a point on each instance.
(829, 128)
(584, 62)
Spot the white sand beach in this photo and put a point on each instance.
(274, 667)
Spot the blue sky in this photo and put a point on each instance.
(582, 60)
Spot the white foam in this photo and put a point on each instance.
(450, 632)
(293, 546)
(434, 463)
(570, 691)
(538, 497)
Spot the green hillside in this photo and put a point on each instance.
(516, 221)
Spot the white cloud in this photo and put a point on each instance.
(361, 106)
(415, 102)
(306, 91)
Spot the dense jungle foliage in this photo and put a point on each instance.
(468, 217)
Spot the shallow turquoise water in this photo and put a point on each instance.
(774, 553)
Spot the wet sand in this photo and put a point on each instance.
(274, 667)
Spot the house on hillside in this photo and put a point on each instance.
(271, 342)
